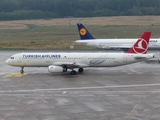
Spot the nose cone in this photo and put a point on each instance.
(8, 61)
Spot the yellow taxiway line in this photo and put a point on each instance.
(15, 75)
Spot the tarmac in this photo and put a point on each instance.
(130, 92)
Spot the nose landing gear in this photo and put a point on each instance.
(22, 71)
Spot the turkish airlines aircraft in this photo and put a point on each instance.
(61, 62)
(124, 44)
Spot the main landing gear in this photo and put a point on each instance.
(22, 71)
(80, 70)
(65, 68)
(73, 72)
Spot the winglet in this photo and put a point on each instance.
(83, 32)
(141, 46)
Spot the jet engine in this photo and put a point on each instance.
(54, 69)
(158, 60)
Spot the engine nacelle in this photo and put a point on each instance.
(158, 60)
(54, 69)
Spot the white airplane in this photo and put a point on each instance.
(119, 44)
(61, 62)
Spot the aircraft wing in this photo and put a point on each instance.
(120, 47)
(70, 64)
(124, 48)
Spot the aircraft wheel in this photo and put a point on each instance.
(80, 70)
(73, 72)
(64, 69)
(22, 71)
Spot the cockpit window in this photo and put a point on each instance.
(12, 57)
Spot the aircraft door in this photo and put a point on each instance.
(19, 59)
(125, 58)
(47, 60)
(95, 43)
(20, 62)
(91, 43)
(158, 43)
(99, 45)
(84, 59)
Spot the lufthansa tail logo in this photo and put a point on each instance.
(82, 31)
(141, 46)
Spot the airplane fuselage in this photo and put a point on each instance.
(80, 59)
(154, 44)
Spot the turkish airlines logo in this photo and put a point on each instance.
(141, 46)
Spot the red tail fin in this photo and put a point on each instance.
(141, 45)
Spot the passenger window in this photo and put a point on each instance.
(12, 57)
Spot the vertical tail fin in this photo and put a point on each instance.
(83, 32)
(141, 46)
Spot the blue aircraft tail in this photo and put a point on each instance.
(83, 32)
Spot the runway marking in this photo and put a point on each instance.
(112, 95)
(76, 88)
(24, 106)
(2, 74)
(83, 88)
(15, 75)
(140, 101)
